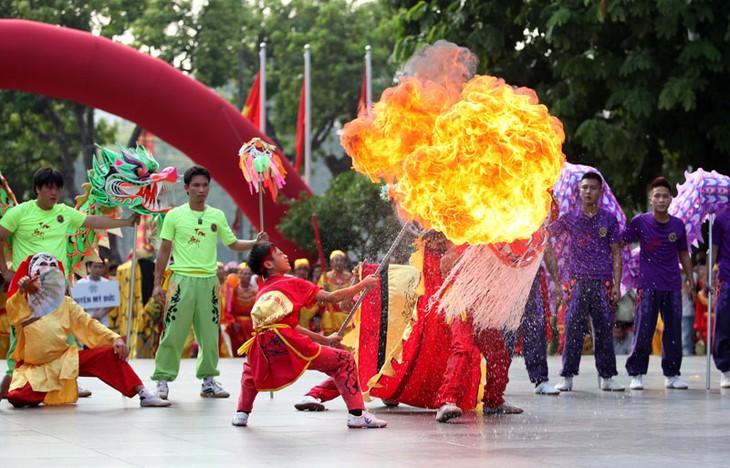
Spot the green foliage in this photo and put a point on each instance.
(351, 214)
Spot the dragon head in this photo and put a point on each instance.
(131, 178)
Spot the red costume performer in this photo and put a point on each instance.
(281, 350)
(240, 299)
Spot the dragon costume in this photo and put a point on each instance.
(130, 178)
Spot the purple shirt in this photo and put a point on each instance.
(660, 246)
(590, 242)
(721, 238)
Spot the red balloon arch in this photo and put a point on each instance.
(78, 66)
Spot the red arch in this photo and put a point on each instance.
(75, 65)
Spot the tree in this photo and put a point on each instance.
(639, 86)
(357, 218)
(337, 32)
(45, 131)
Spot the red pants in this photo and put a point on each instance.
(491, 345)
(337, 363)
(99, 362)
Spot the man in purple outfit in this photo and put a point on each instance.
(595, 273)
(721, 258)
(663, 241)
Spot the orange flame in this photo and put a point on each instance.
(474, 161)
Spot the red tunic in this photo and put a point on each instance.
(278, 354)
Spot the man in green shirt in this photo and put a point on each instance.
(42, 225)
(190, 232)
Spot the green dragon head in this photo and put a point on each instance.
(130, 178)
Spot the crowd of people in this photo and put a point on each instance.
(285, 317)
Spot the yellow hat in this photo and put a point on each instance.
(335, 253)
(301, 262)
(219, 264)
(242, 265)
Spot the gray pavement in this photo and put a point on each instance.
(584, 428)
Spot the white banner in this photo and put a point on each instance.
(97, 294)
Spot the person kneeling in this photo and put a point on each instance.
(47, 366)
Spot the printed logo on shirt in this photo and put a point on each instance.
(672, 237)
(214, 227)
(602, 232)
(40, 231)
(196, 237)
(60, 219)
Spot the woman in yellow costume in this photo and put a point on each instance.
(335, 279)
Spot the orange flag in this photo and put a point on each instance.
(251, 110)
(362, 104)
(300, 130)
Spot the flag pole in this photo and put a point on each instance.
(262, 88)
(262, 121)
(307, 117)
(130, 306)
(709, 308)
(381, 267)
(368, 79)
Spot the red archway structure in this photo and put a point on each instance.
(78, 66)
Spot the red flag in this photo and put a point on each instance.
(147, 140)
(362, 104)
(300, 129)
(251, 110)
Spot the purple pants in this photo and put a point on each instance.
(534, 341)
(589, 298)
(721, 343)
(649, 304)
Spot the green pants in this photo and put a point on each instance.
(190, 301)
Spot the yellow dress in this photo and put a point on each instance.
(332, 315)
(50, 364)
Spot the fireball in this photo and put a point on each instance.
(473, 159)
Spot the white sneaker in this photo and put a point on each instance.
(675, 383)
(212, 389)
(565, 384)
(637, 382)
(611, 385)
(240, 419)
(150, 400)
(725, 380)
(309, 403)
(162, 390)
(83, 393)
(448, 411)
(544, 388)
(367, 420)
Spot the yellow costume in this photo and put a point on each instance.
(50, 364)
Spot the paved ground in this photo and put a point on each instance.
(584, 428)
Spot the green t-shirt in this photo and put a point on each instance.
(194, 237)
(37, 230)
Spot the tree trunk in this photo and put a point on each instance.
(61, 138)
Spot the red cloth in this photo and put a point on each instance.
(337, 363)
(425, 354)
(278, 356)
(252, 108)
(301, 130)
(99, 362)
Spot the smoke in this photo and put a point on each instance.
(444, 63)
